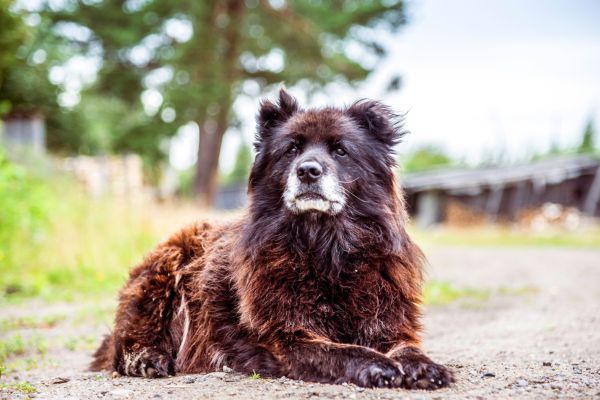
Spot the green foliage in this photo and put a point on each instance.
(588, 139)
(24, 210)
(241, 168)
(13, 33)
(230, 43)
(425, 158)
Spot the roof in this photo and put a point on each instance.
(549, 171)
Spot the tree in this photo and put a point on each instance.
(13, 34)
(209, 49)
(588, 139)
(425, 158)
(241, 168)
(27, 53)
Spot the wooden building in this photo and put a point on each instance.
(24, 132)
(501, 193)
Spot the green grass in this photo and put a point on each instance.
(11, 346)
(58, 244)
(15, 346)
(45, 322)
(436, 293)
(255, 375)
(23, 387)
(503, 236)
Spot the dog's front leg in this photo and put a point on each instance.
(316, 359)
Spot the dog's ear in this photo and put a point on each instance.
(378, 120)
(271, 115)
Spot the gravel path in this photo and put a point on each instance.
(532, 330)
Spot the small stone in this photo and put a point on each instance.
(522, 382)
(547, 363)
(115, 374)
(189, 379)
(121, 393)
(488, 374)
(59, 380)
(227, 370)
(157, 396)
(219, 375)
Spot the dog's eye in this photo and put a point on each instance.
(340, 151)
(293, 149)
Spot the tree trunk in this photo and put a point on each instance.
(226, 73)
(207, 166)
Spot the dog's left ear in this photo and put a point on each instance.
(271, 115)
(377, 119)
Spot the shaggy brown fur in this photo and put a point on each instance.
(320, 296)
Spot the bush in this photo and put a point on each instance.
(25, 203)
(55, 242)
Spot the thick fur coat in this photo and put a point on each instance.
(318, 281)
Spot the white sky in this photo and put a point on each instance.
(485, 76)
(481, 77)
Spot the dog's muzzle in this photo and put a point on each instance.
(310, 188)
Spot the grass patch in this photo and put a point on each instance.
(22, 387)
(58, 244)
(15, 345)
(437, 293)
(88, 342)
(11, 346)
(440, 293)
(255, 375)
(503, 236)
(46, 322)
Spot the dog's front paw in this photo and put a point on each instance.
(148, 363)
(422, 373)
(380, 374)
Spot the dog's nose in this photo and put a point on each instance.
(309, 171)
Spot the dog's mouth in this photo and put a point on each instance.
(307, 196)
(314, 201)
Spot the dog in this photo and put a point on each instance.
(318, 281)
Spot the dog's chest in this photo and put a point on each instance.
(349, 309)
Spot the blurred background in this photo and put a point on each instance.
(123, 120)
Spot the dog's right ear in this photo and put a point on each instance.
(271, 115)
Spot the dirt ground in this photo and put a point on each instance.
(531, 329)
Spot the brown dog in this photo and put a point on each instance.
(319, 281)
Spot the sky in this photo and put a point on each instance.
(512, 76)
(480, 79)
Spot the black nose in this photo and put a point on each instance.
(309, 171)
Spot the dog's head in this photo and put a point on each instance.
(324, 161)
